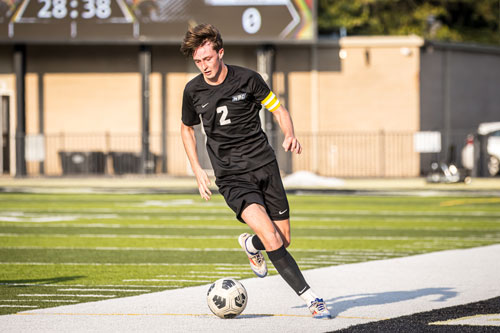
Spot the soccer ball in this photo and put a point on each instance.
(227, 298)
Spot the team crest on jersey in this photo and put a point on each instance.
(239, 97)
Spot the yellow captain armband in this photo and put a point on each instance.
(271, 102)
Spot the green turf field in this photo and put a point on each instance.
(58, 249)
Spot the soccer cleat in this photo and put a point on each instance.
(319, 310)
(257, 261)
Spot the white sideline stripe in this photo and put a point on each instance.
(227, 214)
(117, 264)
(226, 227)
(100, 289)
(112, 248)
(166, 280)
(17, 306)
(198, 276)
(41, 300)
(134, 226)
(183, 249)
(471, 239)
(65, 295)
(79, 285)
(305, 266)
(210, 272)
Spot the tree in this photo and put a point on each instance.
(448, 20)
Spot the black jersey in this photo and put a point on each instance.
(236, 142)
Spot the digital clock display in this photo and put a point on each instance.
(151, 20)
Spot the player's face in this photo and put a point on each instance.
(208, 61)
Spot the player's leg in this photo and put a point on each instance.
(254, 244)
(274, 235)
(257, 219)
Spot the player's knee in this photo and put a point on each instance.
(286, 241)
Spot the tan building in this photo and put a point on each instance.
(356, 104)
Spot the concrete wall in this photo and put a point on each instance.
(459, 90)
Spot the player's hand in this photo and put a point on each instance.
(203, 183)
(292, 144)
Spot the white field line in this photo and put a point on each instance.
(117, 236)
(198, 276)
(118, 264)
(66, 295)
(227, 227)
(17, 306)
(182, 249)
(211, 272)
(43, 217)
(113, 248)
(101, 289)
(164, 280)
(41, 300)
(226, 214)
(132, 226)
(81, 285)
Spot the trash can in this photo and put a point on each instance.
(77, 163)
(129, 162)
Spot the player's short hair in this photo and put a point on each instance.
(199, 35)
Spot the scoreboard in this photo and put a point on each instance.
(154, 21)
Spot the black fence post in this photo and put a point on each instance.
(20, 70)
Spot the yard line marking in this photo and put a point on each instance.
(17, 306)
(101, 289)
(395, 213)
(134, 226)
(115, 236)
(65, 295)
(114, 248)
(211, 272)
(164, 280)
(104, 248)
(226, 214)
(80, 285)
(200, 276)
(333, 238)
(41, 300)
(114, 264)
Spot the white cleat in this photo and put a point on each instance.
(257, 260)
(319, 310)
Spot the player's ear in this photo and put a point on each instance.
(221, 53)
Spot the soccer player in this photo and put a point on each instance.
(228, 99)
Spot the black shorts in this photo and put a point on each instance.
(262, 186)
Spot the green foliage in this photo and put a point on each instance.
(447, 20)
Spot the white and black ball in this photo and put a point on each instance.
(227, 298)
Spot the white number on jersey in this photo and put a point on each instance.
(223, 118)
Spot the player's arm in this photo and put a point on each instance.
(189, 141)
(290, 143)
(282, 116)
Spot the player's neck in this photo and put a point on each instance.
(219, 77)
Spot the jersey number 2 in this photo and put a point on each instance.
(223, 118)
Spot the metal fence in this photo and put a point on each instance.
(335, 154)
(362, 154)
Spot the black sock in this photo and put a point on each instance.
(257, 243)
(288, 269)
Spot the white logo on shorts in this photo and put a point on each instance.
(281, 212)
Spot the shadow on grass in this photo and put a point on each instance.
(31, 282)
(337, 305)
